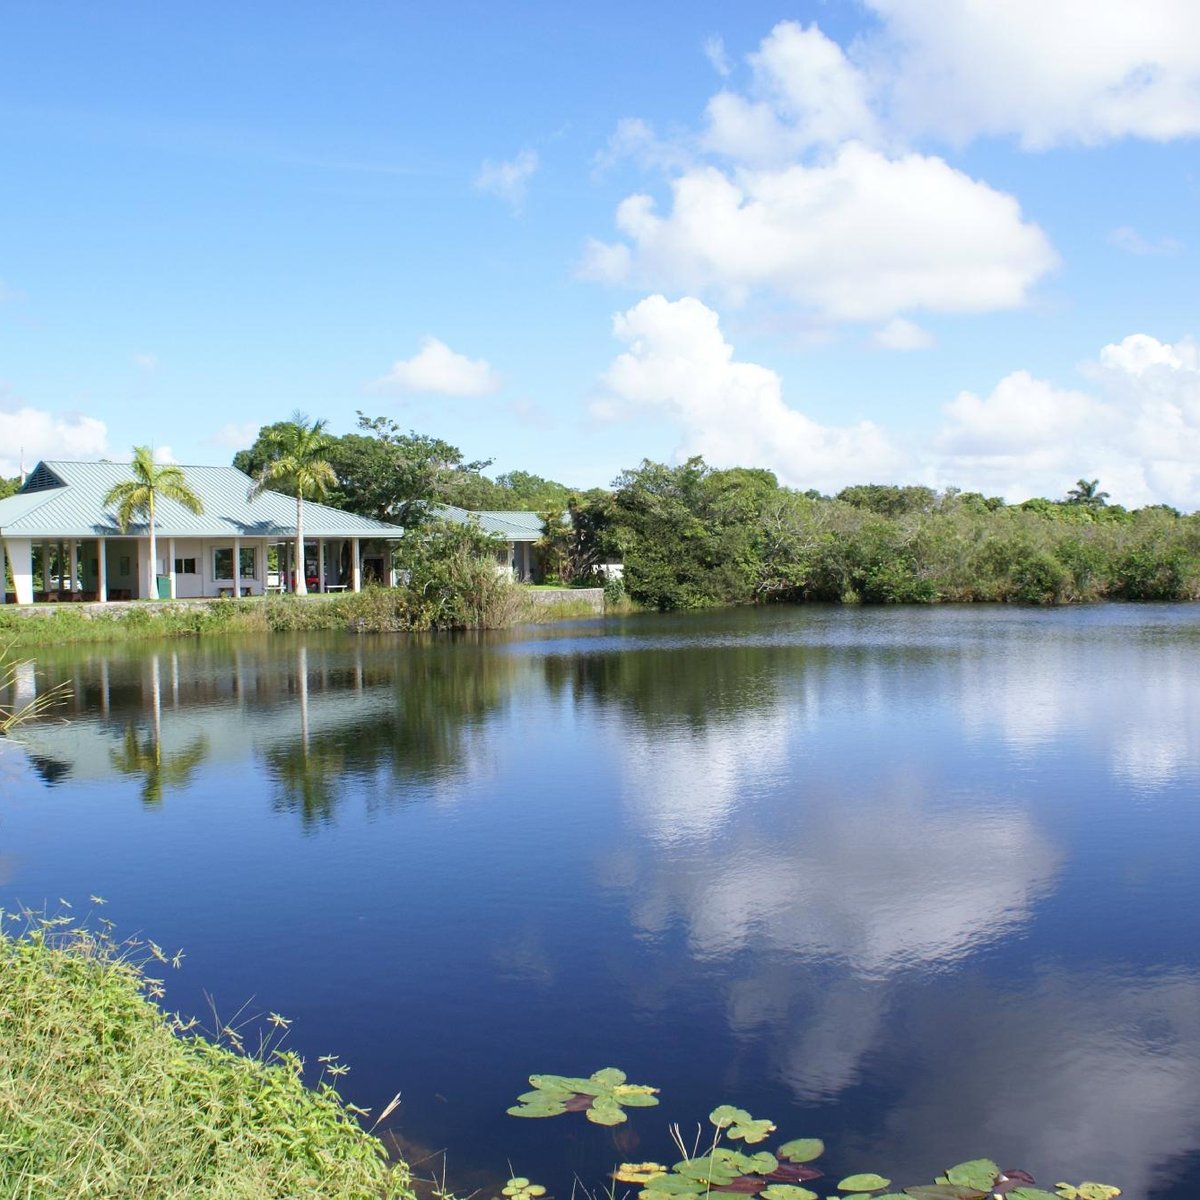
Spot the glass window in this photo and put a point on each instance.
(185, 566)
(223, 562)
(249, 562)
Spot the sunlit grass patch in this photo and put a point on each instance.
(103, 1094)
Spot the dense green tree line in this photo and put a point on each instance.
(385, 473)
(692, 536)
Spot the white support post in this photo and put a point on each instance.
(171, 566)
(355, 566)
(101, 571)
(20, 559)
(320, 564)
(237, 567)
(74, 567)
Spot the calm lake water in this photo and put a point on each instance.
(923, 882)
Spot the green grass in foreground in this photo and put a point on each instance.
(102, 1094)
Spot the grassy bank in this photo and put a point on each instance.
(102, 1094)
(373, 610)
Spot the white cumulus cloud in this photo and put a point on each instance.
(1137, 429)
(1067, 71)
(509, 180)
(438, 370)
(805, 92)
(28, 434)
(859, 237)
(678, 363)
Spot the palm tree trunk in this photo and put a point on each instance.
(301, 582)
(152, 571)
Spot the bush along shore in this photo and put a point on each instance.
(104, 1095)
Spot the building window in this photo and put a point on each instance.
(185, 566)
(249, 562)
(223, 562)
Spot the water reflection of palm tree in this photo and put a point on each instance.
(307, 779)
(143, 757)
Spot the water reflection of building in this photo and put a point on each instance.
(314, 715)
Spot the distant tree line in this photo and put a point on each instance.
(693, 536)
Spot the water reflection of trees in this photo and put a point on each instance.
(695, 686)
(142, 756)
(419, 715)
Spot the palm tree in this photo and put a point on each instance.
(1087, 492)
(297, 463)
(151, 481)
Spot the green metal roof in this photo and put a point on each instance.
(512, 526)
(66, 500)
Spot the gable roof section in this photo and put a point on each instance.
(75, 508)
(512, 526)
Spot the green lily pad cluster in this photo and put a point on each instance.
(519, 1188)
(778, 1176)
(739, 1125)
(601, 1097)
(604, 1095)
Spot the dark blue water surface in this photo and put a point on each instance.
(922, 882)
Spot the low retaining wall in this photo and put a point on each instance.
(593, 597)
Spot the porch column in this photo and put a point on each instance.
(355, 566)
(101, 571)
(171, 565)
(237, 567)
(320, 564)
(74, 567)
(45, 566)
(20, 559)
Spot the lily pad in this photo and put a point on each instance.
(602, 1096)
(787, 1191)
(977, 1173)
(866, 1182)
(639, 1172)
(801, 1150)
(740, 1125)
(1028, 1193)
(944, 1191)
(788, 1172)
(1088, 1191)
(519, 1188)
(671, 1187)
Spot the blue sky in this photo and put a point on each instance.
(887, 240)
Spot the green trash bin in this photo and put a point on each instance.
(164, 587)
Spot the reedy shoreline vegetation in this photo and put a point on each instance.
(103, 1094)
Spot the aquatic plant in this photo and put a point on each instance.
(739, 1124)
(13, 713)
(519, 1188)
(601, 1097)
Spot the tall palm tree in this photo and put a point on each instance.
(297, 462)
(140, 495)
(1087, 492)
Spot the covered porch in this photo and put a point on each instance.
(102, 569)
